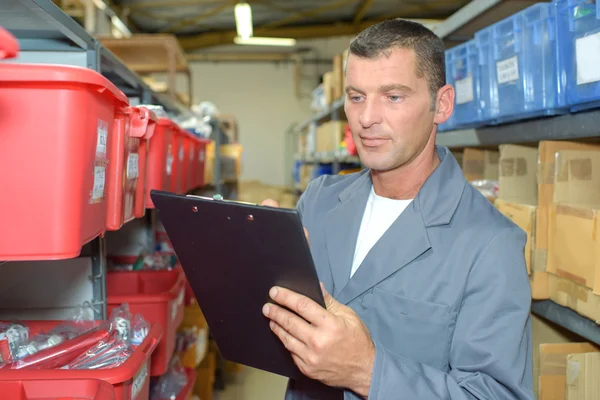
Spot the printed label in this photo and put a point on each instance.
(102, 137)
(132, 166)
(464, 90)
(177, 304)
(508, 70)
(587, 59)
(201, 156)
(170, 159)
(181, 153)
(139, 380)
(99, 182)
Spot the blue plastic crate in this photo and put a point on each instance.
(451, 123)
(488, 95)
(579, 48)
(465, 73)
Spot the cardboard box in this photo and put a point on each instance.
(338, 76)
(545, 180)
(573, 249)
(328, 87)
(205, 379)
(553, 367)
(577, 178)
(582, 376)
(540, 283)
(480, 164)
(517, 180)
(524, 217)
(329, 136)
(344, 63)
(576, 297)
(306, 175)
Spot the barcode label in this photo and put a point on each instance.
(587, 57)
(139, 380)
(99, 182)
(201, 156)
(464, 90)
(169, 161)
(132, 166)
(508, 70)
(102, 137)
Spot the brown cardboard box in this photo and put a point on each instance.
(306, 174)
(573, 250)
(338, 76)
(545, 173)
(577, 178)
(517, 178)
(582, 376)
(459, 156)
(539, 281)
(344, 62)
(553, 367)
(524, 217)
(480, 164)
(329, 136)
(328, 84)
(205, 379)
(576, 297)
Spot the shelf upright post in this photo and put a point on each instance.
(217, 177)
(98, 248)
(335, 116)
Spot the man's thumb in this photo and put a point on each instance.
(329, 300)
(270, 203)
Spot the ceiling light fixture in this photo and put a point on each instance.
(265, 41)
(243, 20)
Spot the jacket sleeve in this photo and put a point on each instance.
(490, 354)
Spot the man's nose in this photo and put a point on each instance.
(371, 113)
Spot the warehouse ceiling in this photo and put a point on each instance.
(206, 23)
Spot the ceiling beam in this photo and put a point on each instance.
(362, 10)
(171, 4)
(219, 57)
(307, 14)
(225, 4)
(210, 39)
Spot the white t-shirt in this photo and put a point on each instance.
(380, 214)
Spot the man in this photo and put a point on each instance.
(425, 282)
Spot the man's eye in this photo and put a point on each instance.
(394, 99)
(355, 98)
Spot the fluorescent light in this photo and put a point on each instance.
(243, 20)
(100, 4)
(265, 41)
(118, 24)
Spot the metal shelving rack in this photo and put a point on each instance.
(47, 35)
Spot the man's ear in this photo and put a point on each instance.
(444, 104)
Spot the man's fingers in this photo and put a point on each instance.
(270, 203)
(290, 322)
(302, 305)
(292, 344)
(306, 234)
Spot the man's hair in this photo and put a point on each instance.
(382, 38)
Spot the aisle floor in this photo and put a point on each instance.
(252, 384)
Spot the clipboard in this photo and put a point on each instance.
(232, 254)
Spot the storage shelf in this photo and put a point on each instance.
(41, 25)
(119, 74)
(323, 116)
(565, 127)
(567, 319)
(477, 14)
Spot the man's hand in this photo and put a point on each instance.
(330, 345)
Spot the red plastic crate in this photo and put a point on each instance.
(187, 391)
(190, 156)
(178, 180)
(130, 380)
(158, 296)
(57, 125)
(75, 389)
(200, 162)
(9, 46)
(160, 158)
(140, 194)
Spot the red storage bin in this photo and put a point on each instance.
(158, 296)
(140, 194)
(57, 124)
(9, 46)
(190, 156)
(187, 391)
(178, 180)
(130, 380)
(74, 389)
(124, 169)
(200, 166)
(160, 158)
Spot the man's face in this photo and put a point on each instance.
(389, 109)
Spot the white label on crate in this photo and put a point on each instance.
(102, 137)
(139, 380)
(508, 70)
(99, 182)
(201, 156)
(132, 166)
(177, 303)
(587, 58)
(464, 90)
(181, 153)
(169, 163)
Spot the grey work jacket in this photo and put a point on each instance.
(444, 292)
